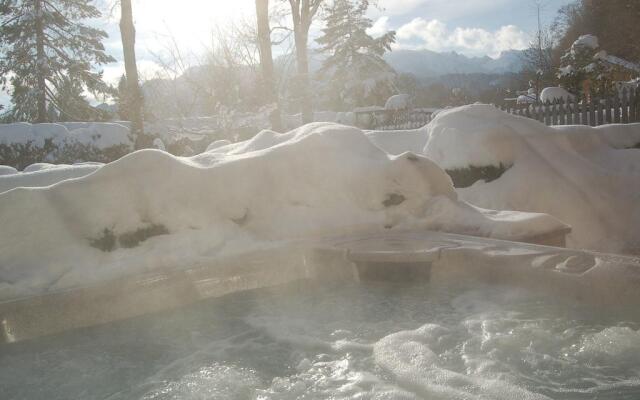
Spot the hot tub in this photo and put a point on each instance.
(405, 316)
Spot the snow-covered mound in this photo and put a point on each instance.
(587, 177)
(150, 210)
(7, 170)
(41, 174)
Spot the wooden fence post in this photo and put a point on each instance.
(583, 109)
(534, 112)
(616, 109)
(571, 120)
(592, 111)
(625, 106)
(632, 106)
(597, 111)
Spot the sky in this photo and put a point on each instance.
(470, 27)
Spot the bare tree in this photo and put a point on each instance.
(128, 34)
(302, 14)
(266, 59)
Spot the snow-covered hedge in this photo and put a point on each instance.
(23, 144)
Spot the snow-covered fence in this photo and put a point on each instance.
(619, 109)
(387, 119)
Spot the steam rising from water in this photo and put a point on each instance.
(343, 342)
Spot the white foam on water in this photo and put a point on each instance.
(344, 342)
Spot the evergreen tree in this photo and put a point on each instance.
(48, 55)
(123, 100)
(582, 67)
(357, 71)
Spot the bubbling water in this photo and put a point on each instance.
(371, 341)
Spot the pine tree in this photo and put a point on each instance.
(123, 100)
(355, 65)
(49, 52)
(583, 65)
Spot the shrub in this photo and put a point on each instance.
(465, 177)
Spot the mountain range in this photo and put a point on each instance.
(425, 64)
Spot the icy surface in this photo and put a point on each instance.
(341, 342)
(319, 180)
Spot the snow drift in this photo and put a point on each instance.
(587, 177)
(150, 210)
(39, 175)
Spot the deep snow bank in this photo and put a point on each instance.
(320, 179)
(587, 177)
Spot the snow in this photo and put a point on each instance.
(621, 62)
(7, 170)
(101, 135)
(345, 118)
(42, 174)
(399, 141)
(159, 144)
(555, 93)
(472, 136)
(589, 41)
(23, 133)
(526, 99)
(564, 71)
(321, 179)
(398, 102)
(217, 144)
(587, 177)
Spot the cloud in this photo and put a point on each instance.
(380, 27)
(434, 35)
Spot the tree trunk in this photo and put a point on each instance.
(128, 35)
(302, 12)
(41, 64)
(266, 60)
(302, 63)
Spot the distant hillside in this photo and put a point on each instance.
(426, 64)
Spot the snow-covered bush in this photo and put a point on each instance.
(23, 144)
(555, 93)
(526, 99)
(586, 66)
